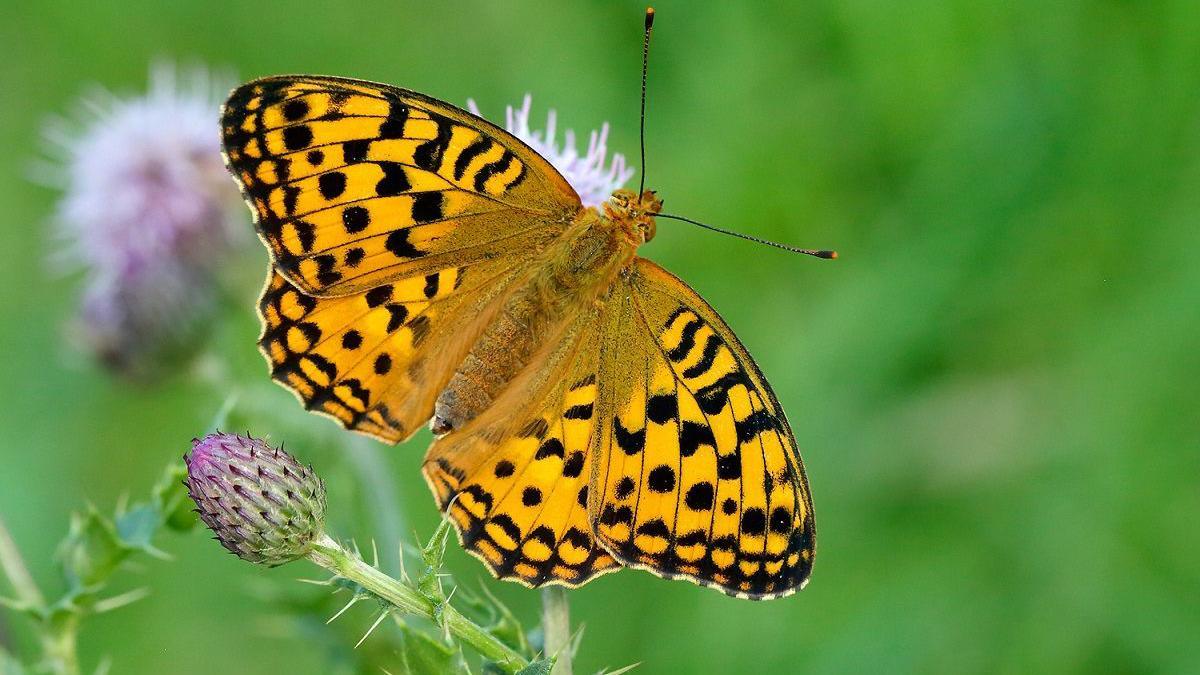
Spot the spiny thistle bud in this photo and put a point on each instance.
(262, 504)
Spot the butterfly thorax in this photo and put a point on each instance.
(566, 280)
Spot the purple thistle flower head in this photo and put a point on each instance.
(142, 177)
(262, 505)
(590, 172)
(147, 210)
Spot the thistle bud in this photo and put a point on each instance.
(262, 504)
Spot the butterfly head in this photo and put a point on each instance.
(634, 214)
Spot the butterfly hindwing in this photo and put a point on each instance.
(645, 437)
(515, 482)
(355, 184)
(697, 473)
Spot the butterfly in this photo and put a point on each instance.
(590, 410)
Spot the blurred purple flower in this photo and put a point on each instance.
(590, 173)
(147, 209)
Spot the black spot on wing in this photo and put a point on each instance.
(499, 166)
(754, 424)
(692, 435)
(355, 219)
(428, 155)
(713, 398)
(687, 340)
(393, 125)
(355, 151)
(394, 182)
(397, 242)
(711, 347)
(331, 185)
(582, 411)
(478, 147)
(551, 447)
(427, 207)
(574, 465)
(378, 295)
(297, 137)
(631, 442)
(662, 408)
(700, 496)
(295, 109)
(661, 479)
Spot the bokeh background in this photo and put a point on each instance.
(995, 388)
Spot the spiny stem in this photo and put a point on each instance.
(16, 571)
(556, 628)
(332, 556)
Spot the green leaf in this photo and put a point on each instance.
(423, 654)
(137, 526)
(538, 667)
(432, 553)
(91, 551)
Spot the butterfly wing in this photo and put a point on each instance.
(355, 184)
(515, 481)
(376, 361)
(697, 473)
(647, 437)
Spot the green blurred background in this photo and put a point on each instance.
(995, 388)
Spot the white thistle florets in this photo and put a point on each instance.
(590, 172)
(147, 210)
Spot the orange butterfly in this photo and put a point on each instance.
(590, 410)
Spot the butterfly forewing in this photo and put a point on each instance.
(355, 184)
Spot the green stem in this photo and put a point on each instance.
(16, 571)
(60, 645)
(556, 628)
(329, 554)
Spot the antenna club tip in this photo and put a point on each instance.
(649, 17)
(828, 255)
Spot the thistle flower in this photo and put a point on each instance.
(147, 210)
(138, 318)
(590, 173)
(262, 504)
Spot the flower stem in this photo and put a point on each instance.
(60, 645)
(16, 571)
(329, 554)
(556, 628)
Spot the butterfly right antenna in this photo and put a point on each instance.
(642, 121)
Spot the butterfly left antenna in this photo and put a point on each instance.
(642, 120)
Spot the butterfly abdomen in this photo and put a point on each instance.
(569, 276)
